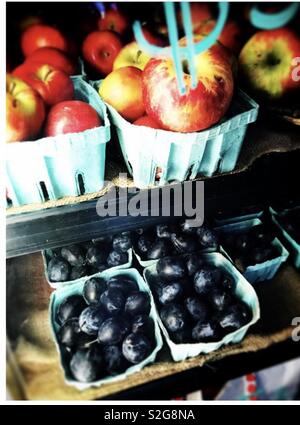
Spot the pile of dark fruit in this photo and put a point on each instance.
(172, 239)
(106, 329)
(291, 223)
(251, 247)
(85, 259)
(196, 300)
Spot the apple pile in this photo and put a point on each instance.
(40, 92)
(146, 92)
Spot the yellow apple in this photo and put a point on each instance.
(131, 55)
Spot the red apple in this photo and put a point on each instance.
(53, 57)
(200, 12)
(25, 111)
(230, 37)
(52, 84)
(266, 62)
(37, 36)
(100, 48)
(147, 121)
(71, 116)
(122, 89)
(200, 107)
(114, 20)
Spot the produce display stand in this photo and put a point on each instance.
(266, 174)
(33, 363)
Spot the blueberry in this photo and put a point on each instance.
(86, 364)
(93, 288)
(158, 249)
(136, 347)
(113, 301)
(122, 242)
(169, 292)
(193, 264)
(174, 317)
(170, 268)
(95, 256)
(115, 258)
(197, 308)
(207, 238)
(103, 240)
(73, 254)
(182, 337)
(142, 323)
(138, 303)
(206, 332)
(184, 243)
(77, 272)
(123, 283)
(90, 319)
(70, 307)
(206, 279)
(58, 270)
(70, 334)
(114, 360)
(113, 330)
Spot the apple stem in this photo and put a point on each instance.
(139, 52)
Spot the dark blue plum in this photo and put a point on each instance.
(169, 292)
(136, 347)
(197, 308)
(114, 360)
(70, 307)
(206, 332)
(73, 254)
(122, 243)
(138, 303)
(170, 268)
(58, 270)
(142, 323)
(115, 258)
(113, 330)
(174, 317)
(86, 365)
(113, 300)
(123, 283)
(91, 318)
(93, 288)
(206, 279)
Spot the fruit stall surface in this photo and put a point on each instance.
(264, 175)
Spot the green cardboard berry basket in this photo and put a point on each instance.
(258, 272)
(66, 165)
(181, 156)
(243, 291)
(76, 288)
(292, 246)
